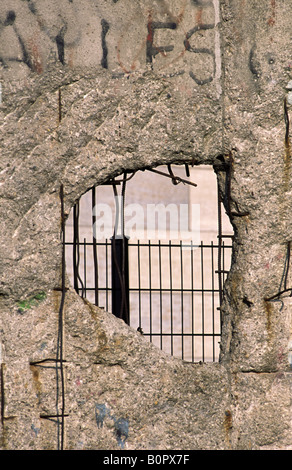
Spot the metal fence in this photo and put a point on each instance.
(169, 291)
(172, 291)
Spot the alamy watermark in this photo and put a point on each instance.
(148, 221)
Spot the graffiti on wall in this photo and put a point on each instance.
(177, 37)
(121, 425)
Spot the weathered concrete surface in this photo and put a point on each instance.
(115, 379)
(257, 71)
(76, 123)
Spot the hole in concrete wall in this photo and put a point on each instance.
(146, 247)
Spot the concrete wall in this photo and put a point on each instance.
(88, 90)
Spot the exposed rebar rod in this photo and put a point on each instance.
(59, 356)
(219, 244)
(177, 179)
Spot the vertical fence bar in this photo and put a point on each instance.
(171, 300)
(213, 300)
(106, 275)
(160, 291)
(84, 269)
(223, 261)
(94, 246)
(139, 284)
(182, 300)
(150, 285)
(203, 302)
(192, 300)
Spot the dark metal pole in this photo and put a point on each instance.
(219, 243)
(95, 261)
(120, 278)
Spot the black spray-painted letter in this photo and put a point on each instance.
(201, 50)
(151, 49)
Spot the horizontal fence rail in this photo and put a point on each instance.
(173, 290)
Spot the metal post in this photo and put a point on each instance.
(94, 246)
(120, 278)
